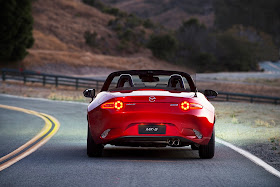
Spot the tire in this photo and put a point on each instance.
(93, 149)
(194, 147)
(208, 151)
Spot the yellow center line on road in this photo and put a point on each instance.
(45, 132)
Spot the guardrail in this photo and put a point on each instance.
(35, 77)
(225, 96)
(78, 82)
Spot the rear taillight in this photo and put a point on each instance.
(113, 105)
(195, 106)
(108, 105)
(185, 105)
(118, 105)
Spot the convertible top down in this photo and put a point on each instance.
(150, 108)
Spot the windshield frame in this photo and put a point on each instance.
(151, 72)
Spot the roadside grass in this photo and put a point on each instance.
(259, 81)
(268, 82)
(254, 89)
(60, 93)
(60, 97)
(245, 123)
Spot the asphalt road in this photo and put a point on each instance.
(62, 161)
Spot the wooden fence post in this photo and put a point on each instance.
(44, 80)
(77, 84)
(56, 81)
(3, 75)
(24, 78)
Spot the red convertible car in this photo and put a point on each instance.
(150, 108)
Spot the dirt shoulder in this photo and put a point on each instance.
(253, 127)
(63, 93)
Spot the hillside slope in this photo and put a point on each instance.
(60, 47)
(169, 13)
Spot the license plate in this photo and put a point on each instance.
(152, 129)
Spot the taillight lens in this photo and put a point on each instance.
(195, 106)
(108, 105)
(118, 105)
(113, 105)
(185, 105)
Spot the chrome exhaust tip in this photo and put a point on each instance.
(173, 142)
(170, 142)
(176, 142)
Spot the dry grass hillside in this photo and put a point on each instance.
(169, 13)
(60, 47)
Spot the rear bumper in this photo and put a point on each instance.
(149, 141)
(124, 126)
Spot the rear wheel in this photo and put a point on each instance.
(93, 149)
(207, 151)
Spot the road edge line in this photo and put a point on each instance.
(43, 131)
(48, 123)
(251, 157)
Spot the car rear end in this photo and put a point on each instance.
(149, 119)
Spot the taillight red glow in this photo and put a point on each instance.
(113, 105)
(195, 106)
(108, 105)
(186, 106)
(118, 105)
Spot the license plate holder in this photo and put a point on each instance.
(152, 129)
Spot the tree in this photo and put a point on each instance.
(162, 45)
(260, 14)
(15, 29)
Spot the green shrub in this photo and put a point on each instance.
(112, 11)
(262, 15)
(162, 46)
(122, 46)
(236, 54)
(91, 38)
(89, 2)
(205, 62)
(132, 21)
(148, 24)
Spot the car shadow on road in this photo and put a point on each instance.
(149, 153)
(129, 153)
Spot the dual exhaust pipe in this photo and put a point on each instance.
(174, 142)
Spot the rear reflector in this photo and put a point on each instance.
(105, 133)
(197, 134)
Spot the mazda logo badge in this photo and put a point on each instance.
(152, 98)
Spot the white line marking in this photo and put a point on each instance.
(44, 131)
(251, 157)
(273, 66)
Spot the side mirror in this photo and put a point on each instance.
(210, 94)
(89, 93)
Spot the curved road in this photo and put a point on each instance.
(62, 161)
